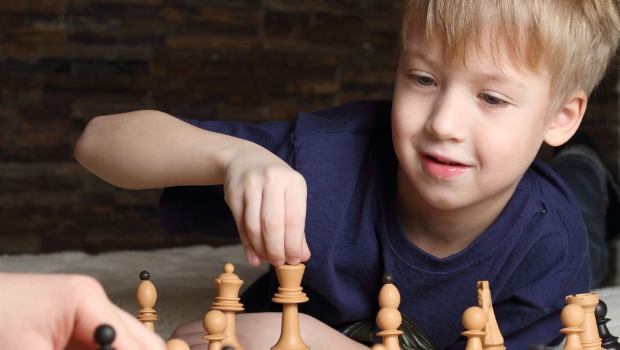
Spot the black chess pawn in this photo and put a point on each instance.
(609, 342)
(104, 336)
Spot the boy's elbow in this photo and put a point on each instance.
(86, 146)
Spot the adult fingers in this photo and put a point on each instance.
(94, 309)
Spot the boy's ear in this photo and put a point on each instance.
(566, 121)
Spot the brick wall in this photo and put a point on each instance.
(602, 119)
(63, 62)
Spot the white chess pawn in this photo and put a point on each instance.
(215, 324)
(474, 320)
(572, 318)
(176, 344)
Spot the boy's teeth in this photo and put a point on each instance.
(444, 161)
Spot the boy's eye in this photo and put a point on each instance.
(422, 80)
(492, 100)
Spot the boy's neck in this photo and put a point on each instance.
(443, 233)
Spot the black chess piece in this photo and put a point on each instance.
(104, 336)
(145, 276)
(609, 342)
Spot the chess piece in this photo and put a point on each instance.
(104, 336)
(493, 339)
(176, 344)
(289, 295)
(215, 325)
(227, 301)
(590, 339)
(378, 347)
(608, 341)
(389, 318)
(146, 295)
(572, 318)
(474, 319)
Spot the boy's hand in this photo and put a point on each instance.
(268, 200)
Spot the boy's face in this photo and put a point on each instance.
(464, 136)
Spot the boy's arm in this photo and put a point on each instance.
(150, 149)
(257, 331)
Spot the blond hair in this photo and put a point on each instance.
(572, 40)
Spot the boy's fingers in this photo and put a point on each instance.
(305, 250)
(252, 221)
(253, 257)
(272, 224)
(294, 222)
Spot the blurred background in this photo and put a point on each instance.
(63, 62)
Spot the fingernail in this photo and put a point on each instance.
(254, 259)
(278, 262)
(294, 261)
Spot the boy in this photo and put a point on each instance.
(445, 193)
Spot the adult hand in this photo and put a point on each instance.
(45, 311)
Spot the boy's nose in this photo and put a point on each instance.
(446, 120)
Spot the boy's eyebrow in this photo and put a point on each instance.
(415, 52)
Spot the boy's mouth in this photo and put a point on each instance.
(444, 161)
(443, 168)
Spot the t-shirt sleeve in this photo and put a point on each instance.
(202, 209)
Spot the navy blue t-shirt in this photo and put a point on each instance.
(533, 255)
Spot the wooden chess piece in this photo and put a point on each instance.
(474, 319)
(104, 336)
(572, 318)
(609, 342)
(227, 301)
(389, 318)
(146, 295)
(215, 325)
(493, 340)
(289, 295)
(378, 347)
(590, 339)
(176, 344)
